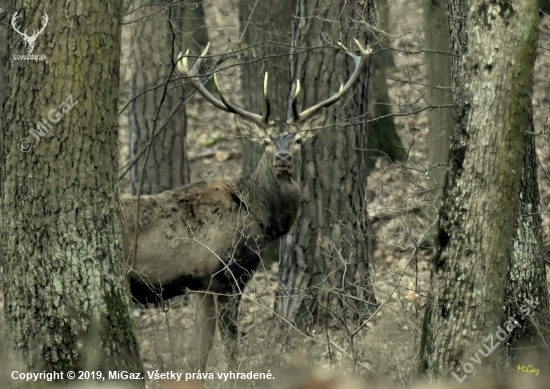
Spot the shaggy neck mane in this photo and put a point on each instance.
(276, 198)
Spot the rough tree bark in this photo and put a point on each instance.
(438, 74)
(325, 257)
(494, 44)
(3, 60)
(384, 142)
(66, 295)
(156, 38)
(527, 274)
(265, 29)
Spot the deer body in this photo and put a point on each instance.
(208, 236)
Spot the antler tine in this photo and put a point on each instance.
(267, 102)
(294, 103)
(230, 107)
(183, 67)
(360, 61)
(221, 103)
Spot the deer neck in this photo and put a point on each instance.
(274, 199)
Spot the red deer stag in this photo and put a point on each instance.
(208, 236)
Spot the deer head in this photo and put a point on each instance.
(281, 140)
(29, 40)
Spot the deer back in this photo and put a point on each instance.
(188, 234)
(189, 231)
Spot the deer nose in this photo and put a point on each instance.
(284, 157)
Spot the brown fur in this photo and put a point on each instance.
(208, 236)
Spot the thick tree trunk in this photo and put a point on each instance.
(195, 33)
(265, 28)
(156, 39)
(3, 61)
(325, 257)
(492, 71)
(526, 279)
(66, 295)
(440, 120)
(384, 142)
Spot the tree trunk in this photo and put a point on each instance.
(384, 142)
(526, 281)
(494, 48)
(325, 257)
(440, 120)
(3, 60)
(156, 39)
(195, 33)
(66, 295)
(265, 28)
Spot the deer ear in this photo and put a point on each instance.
(247, 128)
(313, 125)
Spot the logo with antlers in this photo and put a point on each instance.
(29, 40)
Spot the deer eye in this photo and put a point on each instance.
(267, 141)
(298, 139)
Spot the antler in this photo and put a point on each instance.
(222, 103)
(360, 61)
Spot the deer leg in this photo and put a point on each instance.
(205, 328)
(228, 309)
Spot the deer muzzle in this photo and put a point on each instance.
(283, 161)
